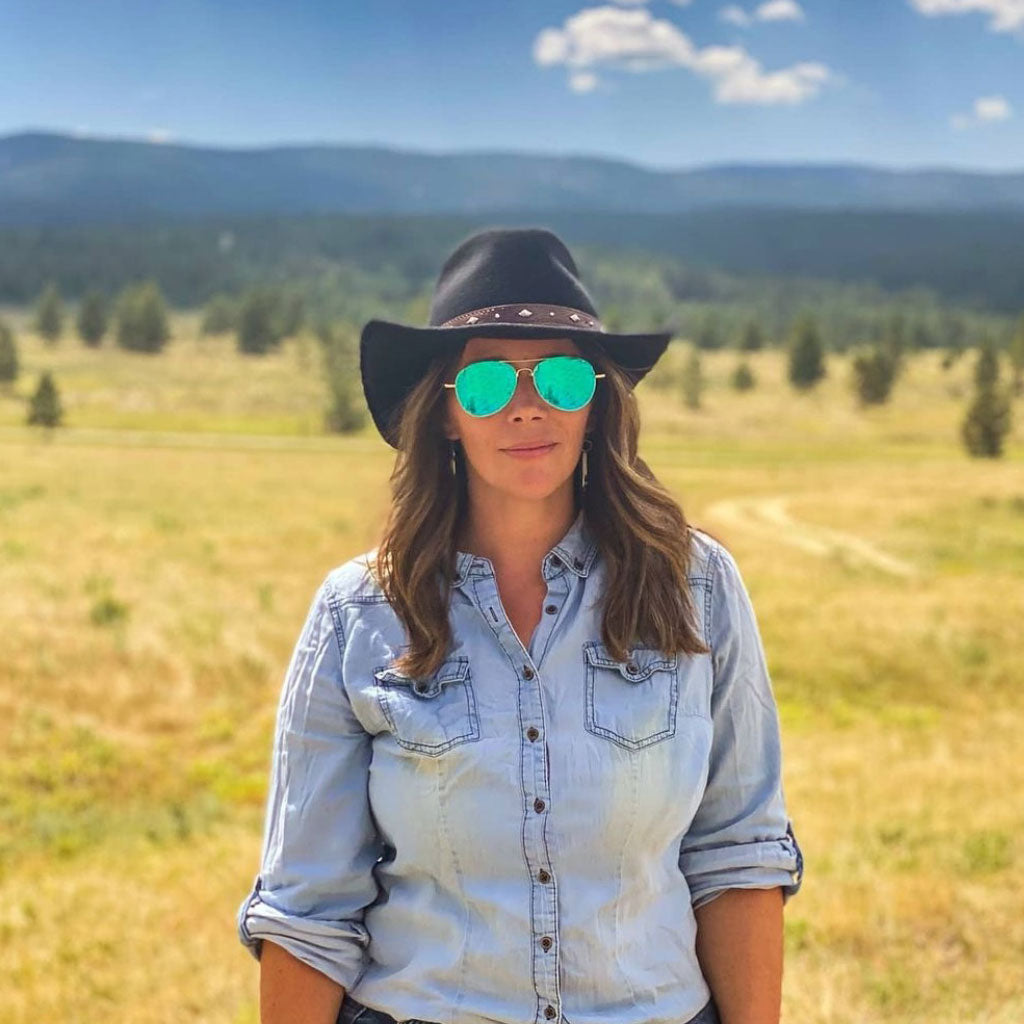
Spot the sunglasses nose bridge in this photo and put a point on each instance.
(530, 371)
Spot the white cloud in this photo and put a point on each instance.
(158, 135)
(779, 10)
(633, 40)
(1006, 15)
(772, 10)
(992, 108)
(735, 16)
(986, 108)
(583, 81)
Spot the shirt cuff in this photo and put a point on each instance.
(336, 948)
(762, 864)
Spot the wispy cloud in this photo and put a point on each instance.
(633, 40)
(772, 10)
(583, 81)
(779, 10)
(1005, 15)
(985, 109)
(158, 135)
(735, 16)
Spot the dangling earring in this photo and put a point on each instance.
(451, 457)
(587, 445)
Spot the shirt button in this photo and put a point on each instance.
(538, 805)
(551, 609)
(549, 1012)
(532, 733)
(543, 876)
(556, 561)
(578, 562)
(545, 942)
(631, 667)
(527, 672)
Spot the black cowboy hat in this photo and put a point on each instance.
(502, 282)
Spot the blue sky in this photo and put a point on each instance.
(667, 84)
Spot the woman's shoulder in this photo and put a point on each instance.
(706, 552)
(354, 581)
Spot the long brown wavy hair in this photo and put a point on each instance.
(641, 530)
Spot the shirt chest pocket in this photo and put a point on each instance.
(632, 703)
(430, 714)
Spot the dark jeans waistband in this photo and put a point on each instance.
(354, 1012)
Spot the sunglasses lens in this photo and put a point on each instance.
(483, 388)
(566, 382)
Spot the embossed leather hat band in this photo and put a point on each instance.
(519, 313)
(501, 282)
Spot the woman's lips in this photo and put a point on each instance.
(528, 453)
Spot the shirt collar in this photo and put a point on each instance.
(576, 550)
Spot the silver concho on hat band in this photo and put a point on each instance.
(522, 312)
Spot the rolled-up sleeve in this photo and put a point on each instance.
(741, 836)
(320, 843)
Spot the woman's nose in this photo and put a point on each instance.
(525, 394)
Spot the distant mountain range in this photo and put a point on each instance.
(53, 179)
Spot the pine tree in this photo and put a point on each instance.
(709, 335)
(988, 417)
(8, 354)
(1017, 358)
(291, 314)
(692, 380)
(921, 336)
(873, 370)
(220, 315)
(92, 318)
(347, 411)
(258, 321)
(753, 337)
(44, 406)
(742, 376)
(141, 315)
(50, 314)
(806, 361)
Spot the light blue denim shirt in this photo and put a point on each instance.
(522, 836)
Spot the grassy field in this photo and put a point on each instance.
(157, 556)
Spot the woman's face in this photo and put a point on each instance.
(527, 419)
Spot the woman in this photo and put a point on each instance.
(527, 762)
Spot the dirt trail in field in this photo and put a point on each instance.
(769, 517)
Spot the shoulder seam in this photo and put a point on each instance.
(714, 565)
(332, 603)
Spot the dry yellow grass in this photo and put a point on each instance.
(152, 585)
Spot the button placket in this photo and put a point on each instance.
(536, 790)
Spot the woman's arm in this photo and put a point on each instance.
(303, 918)
(292, 992)
(739, 946)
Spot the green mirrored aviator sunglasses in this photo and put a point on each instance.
(565, 382)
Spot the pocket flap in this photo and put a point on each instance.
(642, 661)
(452, 671)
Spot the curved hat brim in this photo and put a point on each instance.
(394, 356)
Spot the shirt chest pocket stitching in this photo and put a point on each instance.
(429, 714)
(634, 703)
